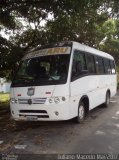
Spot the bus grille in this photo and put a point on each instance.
(34, 100)
(32, 113)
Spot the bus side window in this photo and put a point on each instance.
(79, 64)
(112, 67)
(99, 65)
(90, 63)
(107, 66)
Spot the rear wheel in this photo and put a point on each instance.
(107, 100)
(81, 113)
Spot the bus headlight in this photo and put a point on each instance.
(13, 100)
(50, 100)
(56, 100)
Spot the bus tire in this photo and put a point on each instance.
(81, 113)
(107, 99)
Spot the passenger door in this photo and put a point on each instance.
(83, 79)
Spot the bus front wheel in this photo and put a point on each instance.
(107, 99)
(81, 113)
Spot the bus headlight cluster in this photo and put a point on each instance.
(56, 99)
(13, 100)
(51, 100)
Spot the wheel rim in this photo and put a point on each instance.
(81, 112)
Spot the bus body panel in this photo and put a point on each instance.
(63, 108)
(94, 87)
(82, 87)
(42, 91)
(63, 111)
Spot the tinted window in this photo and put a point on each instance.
(79, 64)
(43, 70)
(112, 67)
(99, 65)
(90, 63)
(107, 66)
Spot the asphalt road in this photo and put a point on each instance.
(98, 134)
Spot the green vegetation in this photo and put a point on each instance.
(4, 97)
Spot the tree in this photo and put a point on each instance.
(111, 42)
(85, 21)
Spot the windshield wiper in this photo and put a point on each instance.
(23, 79)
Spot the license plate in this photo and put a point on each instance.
(31, 118)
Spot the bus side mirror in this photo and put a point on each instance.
(13, 72)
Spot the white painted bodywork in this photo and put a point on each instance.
(63, 108)
(93, 86)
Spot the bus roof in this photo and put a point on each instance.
(88, 49)
(74, 45)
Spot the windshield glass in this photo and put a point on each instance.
(43, 70)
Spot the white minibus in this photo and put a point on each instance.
(62, 81)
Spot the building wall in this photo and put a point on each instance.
(5, 87)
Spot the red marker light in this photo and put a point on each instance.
(18, 94)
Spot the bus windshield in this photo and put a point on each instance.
(42, 70)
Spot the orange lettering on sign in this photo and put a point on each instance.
(63, 50)
(56, 50)
(50, 51)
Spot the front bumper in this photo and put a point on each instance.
(41, 112)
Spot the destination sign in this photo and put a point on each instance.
(49, 51)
